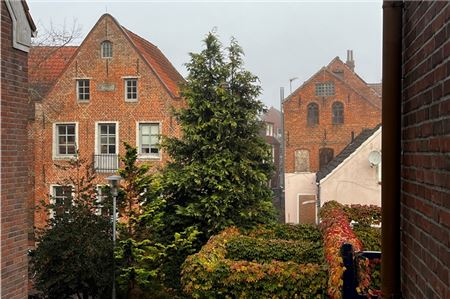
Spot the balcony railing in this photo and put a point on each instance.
(107, 163)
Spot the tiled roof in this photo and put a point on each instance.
(162, 66)
(346, 152)
(376, 86)
(45, 65)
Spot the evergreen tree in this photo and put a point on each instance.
(219, 168)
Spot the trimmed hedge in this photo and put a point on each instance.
(303, 232)
(264, 251)
(369, 236)
(364, 215)
(209, 274)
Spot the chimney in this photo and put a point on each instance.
(350, 62)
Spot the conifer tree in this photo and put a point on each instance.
(219, 168)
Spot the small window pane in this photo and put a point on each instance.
(71, 150)
(154, 150)
(112, 149)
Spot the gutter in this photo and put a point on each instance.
(391, 145)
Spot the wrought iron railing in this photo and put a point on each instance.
(107, 163)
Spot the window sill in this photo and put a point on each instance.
(149, 158)
(131, 101)
(83, 101)
(58, 158)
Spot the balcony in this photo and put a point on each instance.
(106, 163)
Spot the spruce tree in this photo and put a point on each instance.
(219, 168)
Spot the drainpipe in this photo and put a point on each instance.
(391, 145)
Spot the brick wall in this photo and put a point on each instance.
(362, 109)
(15, 164)
(425, 200)
(60, 105)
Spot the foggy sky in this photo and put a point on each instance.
(281, 40)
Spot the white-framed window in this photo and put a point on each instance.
(83, 90)
(269, 129)
(148, 134)
(106, 146)
(106, 49)
(61, 197)
(131, 89)
(65, 140)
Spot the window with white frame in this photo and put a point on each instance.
(83, 89)
(269, 129)
(61, 197)
(131, 93)
(65, 140)
(106, 49)
(149, 140)
(107, 135)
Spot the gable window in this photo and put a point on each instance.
(326, 154)
(313, 114)
(65, 136)
(148, 140)
(338, 113)
(325, 89)
(83, 89)
(61, 197)
(269, 129)
(106, 49)
(131, 93)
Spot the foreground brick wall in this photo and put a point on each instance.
(15, 164)
(425, 200)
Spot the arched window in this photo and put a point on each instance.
(313, 114)
(326, 154)
(106, 49)
(338, 113)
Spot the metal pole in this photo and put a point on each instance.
(391, 117)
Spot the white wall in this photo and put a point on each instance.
(354, 181)
(297, 183)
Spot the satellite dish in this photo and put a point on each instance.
(375, 158)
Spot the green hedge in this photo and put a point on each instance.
(304, 232)
(264, 251)
(369, 236)
(209, 274)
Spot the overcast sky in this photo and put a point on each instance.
(281, 40)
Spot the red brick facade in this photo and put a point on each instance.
(425, 200)
(16, 154)
(132, 57)
(361, 110)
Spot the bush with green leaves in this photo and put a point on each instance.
(304, 232)
(210, 273)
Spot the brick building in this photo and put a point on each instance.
(16, 155)
(115, 87)
(425, 144)
(272, 134)
(324, 114)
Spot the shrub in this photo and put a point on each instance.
(304, 232)
(264, 251)
(365, 215)
(209, 274)
(336, 231)
(369, 236)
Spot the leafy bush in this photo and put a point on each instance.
(304, 232)
(209, 274)
(369, 277)
(369, 236)
(336, 231)
(364, 215)
(264, 251)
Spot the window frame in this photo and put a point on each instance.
(269, 129)
(78, 80)
(125, 87)
(56, 155)
(337, 119)
(97, 143)
(325, 89)
(52, 197)
(102, 52)
(148, 156)
(317, 116)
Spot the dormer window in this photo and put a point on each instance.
(106, 49)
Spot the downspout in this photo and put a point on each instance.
(391, 145)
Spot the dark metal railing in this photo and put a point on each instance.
(106, 163)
